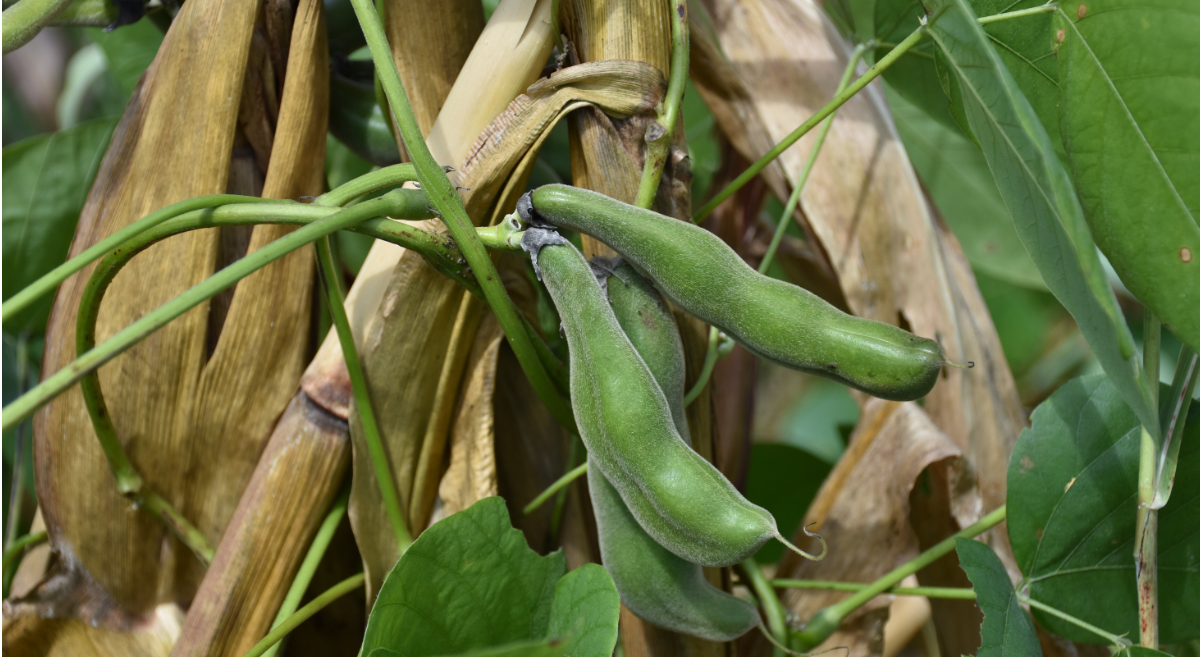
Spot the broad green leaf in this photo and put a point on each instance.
(46, 180)
(957, 177)
(543, 648)
(1006, 632)
(469, 582)
(1139, 651)
(913, 76)
(585, 612)
(1130, 75)
(1072, 497)
(129, 50)
(783, 480)
(1039, 196)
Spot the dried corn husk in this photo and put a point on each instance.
(115, 565)
(894, 260)
(268, 321)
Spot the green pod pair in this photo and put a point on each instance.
(653, 582)
(680, 499)
(775, 320)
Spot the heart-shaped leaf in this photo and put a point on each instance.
(585, 612)
(1072, 497)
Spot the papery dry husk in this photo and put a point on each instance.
(116, 565)
(894, 260)
(257, 557)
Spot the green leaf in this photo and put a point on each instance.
(543, 648)
(957, 177)
(914, 76)
(469, 582)
(1005, 631)
(585, 612)
(1039, 196)
(1072, 496)
(129, 50)
(1130, 93)
(1139, 651)
(783, 480)
(46, 181)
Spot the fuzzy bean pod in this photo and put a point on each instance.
(680, 499)
(775, 320)
(653, 582)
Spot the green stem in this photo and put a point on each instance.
(87, 13)
(1107, 636)
(658, 149)
(18, 457)
(1145, 550)
(1151, 346)
(446, 202)
(25, 19)
(826, 621)
(15, 551)
(710, 361)
(374, 181)
(995, 18)
(47, 283)
(311, 560)
(794, 199)
(362, 399)
(922, 591)
(305, 612)
(772, 608)
(562, 482)
(838, 100)
(394, 203)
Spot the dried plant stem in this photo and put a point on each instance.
(362, 398)
(657, 149)
(320, 602)
(448, 204)
(311, 560)
(826, 621)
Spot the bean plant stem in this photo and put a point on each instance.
(369, 182)
(562, 483)
(772, 608)
(1145, 550)
(710, 361)
(307, 611)
(1108, 636)
(826, 621)
(312, 559)
(362, 398)
(445, 200)
(25, 19)
(1020, 13)
(1174, 416)
(658, 149)
(55, 384)
(18, 473)
(794, 199)
(812, 122)
(854, 587)
(47, 283)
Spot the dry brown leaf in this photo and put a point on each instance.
(894, 260)
(28, 634)
(472, 472)
(862, 511)
(157, 156)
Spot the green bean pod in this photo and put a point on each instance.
(775, 320)
(653, 582)
(680, 499)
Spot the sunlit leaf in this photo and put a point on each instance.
(1072, 498)
(1039, 195)
(585, 612)
(129, 50)
(1130, 93)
